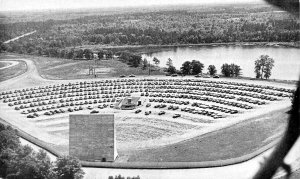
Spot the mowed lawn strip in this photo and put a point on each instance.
(13, 71)
(57, 68)
(4, 64)
(231, 142)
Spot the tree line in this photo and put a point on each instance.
(263, 67)
(22, 162)
(195, 67)
(211, 25)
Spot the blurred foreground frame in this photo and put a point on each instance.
(272, 163)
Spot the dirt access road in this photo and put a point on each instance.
(16, 38)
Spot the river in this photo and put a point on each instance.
(286, 67)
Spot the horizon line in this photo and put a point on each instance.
(131, 6)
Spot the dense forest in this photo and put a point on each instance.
(194, 25)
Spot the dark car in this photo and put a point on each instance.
(30, 116)
(161, 113)
(216, 76)
(174, 75)
(90, 107)
(122, 76)
(147, 112)
(176, 115)
(47, 113)
(148, 105)
(94, 111)
(138, 111)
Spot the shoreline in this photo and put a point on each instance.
(151, 48)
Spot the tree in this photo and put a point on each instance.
(78, 54)
(135, 60)
(145, 64)
(225, 70)
(28, 164)
(186, 68)
(263, 66)
(230, 70)
(109, 54)
(212, 70)
(236, 70)
(156, 61)
(22, 162)
(100, 54)
(169, 62)
(3, 47)
(68, 168)
(171, 69)
(88, 54)
(9, 141)
(69, 54)
(197, 67)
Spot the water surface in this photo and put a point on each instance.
(286, 67)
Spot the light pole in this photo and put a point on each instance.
(149, 67)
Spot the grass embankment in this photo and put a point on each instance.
(231, 142)
(3, 64)
(13, 71)
(57, 68)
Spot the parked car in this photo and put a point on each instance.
(174, 75)
(24, 112)
(94, 111)
(147, 112)
(138, 111)
(132, 75)
(198, 76)
(216, 76)
(176, 115)
(161, 113)
(122, 76)
(148, 105)
(89, 107)
(30, 116)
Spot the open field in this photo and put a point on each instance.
(204, 106)
(235, 141)
(12, 69)
(65, 69)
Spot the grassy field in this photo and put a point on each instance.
(3, 64)
(56, 68)
(13, 71)
(231, 142)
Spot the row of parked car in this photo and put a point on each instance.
(55, 97)
(202, 112)
(147, 81)
(159, 113)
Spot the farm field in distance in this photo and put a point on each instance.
(215, 106)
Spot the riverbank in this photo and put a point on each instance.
(144, 49)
